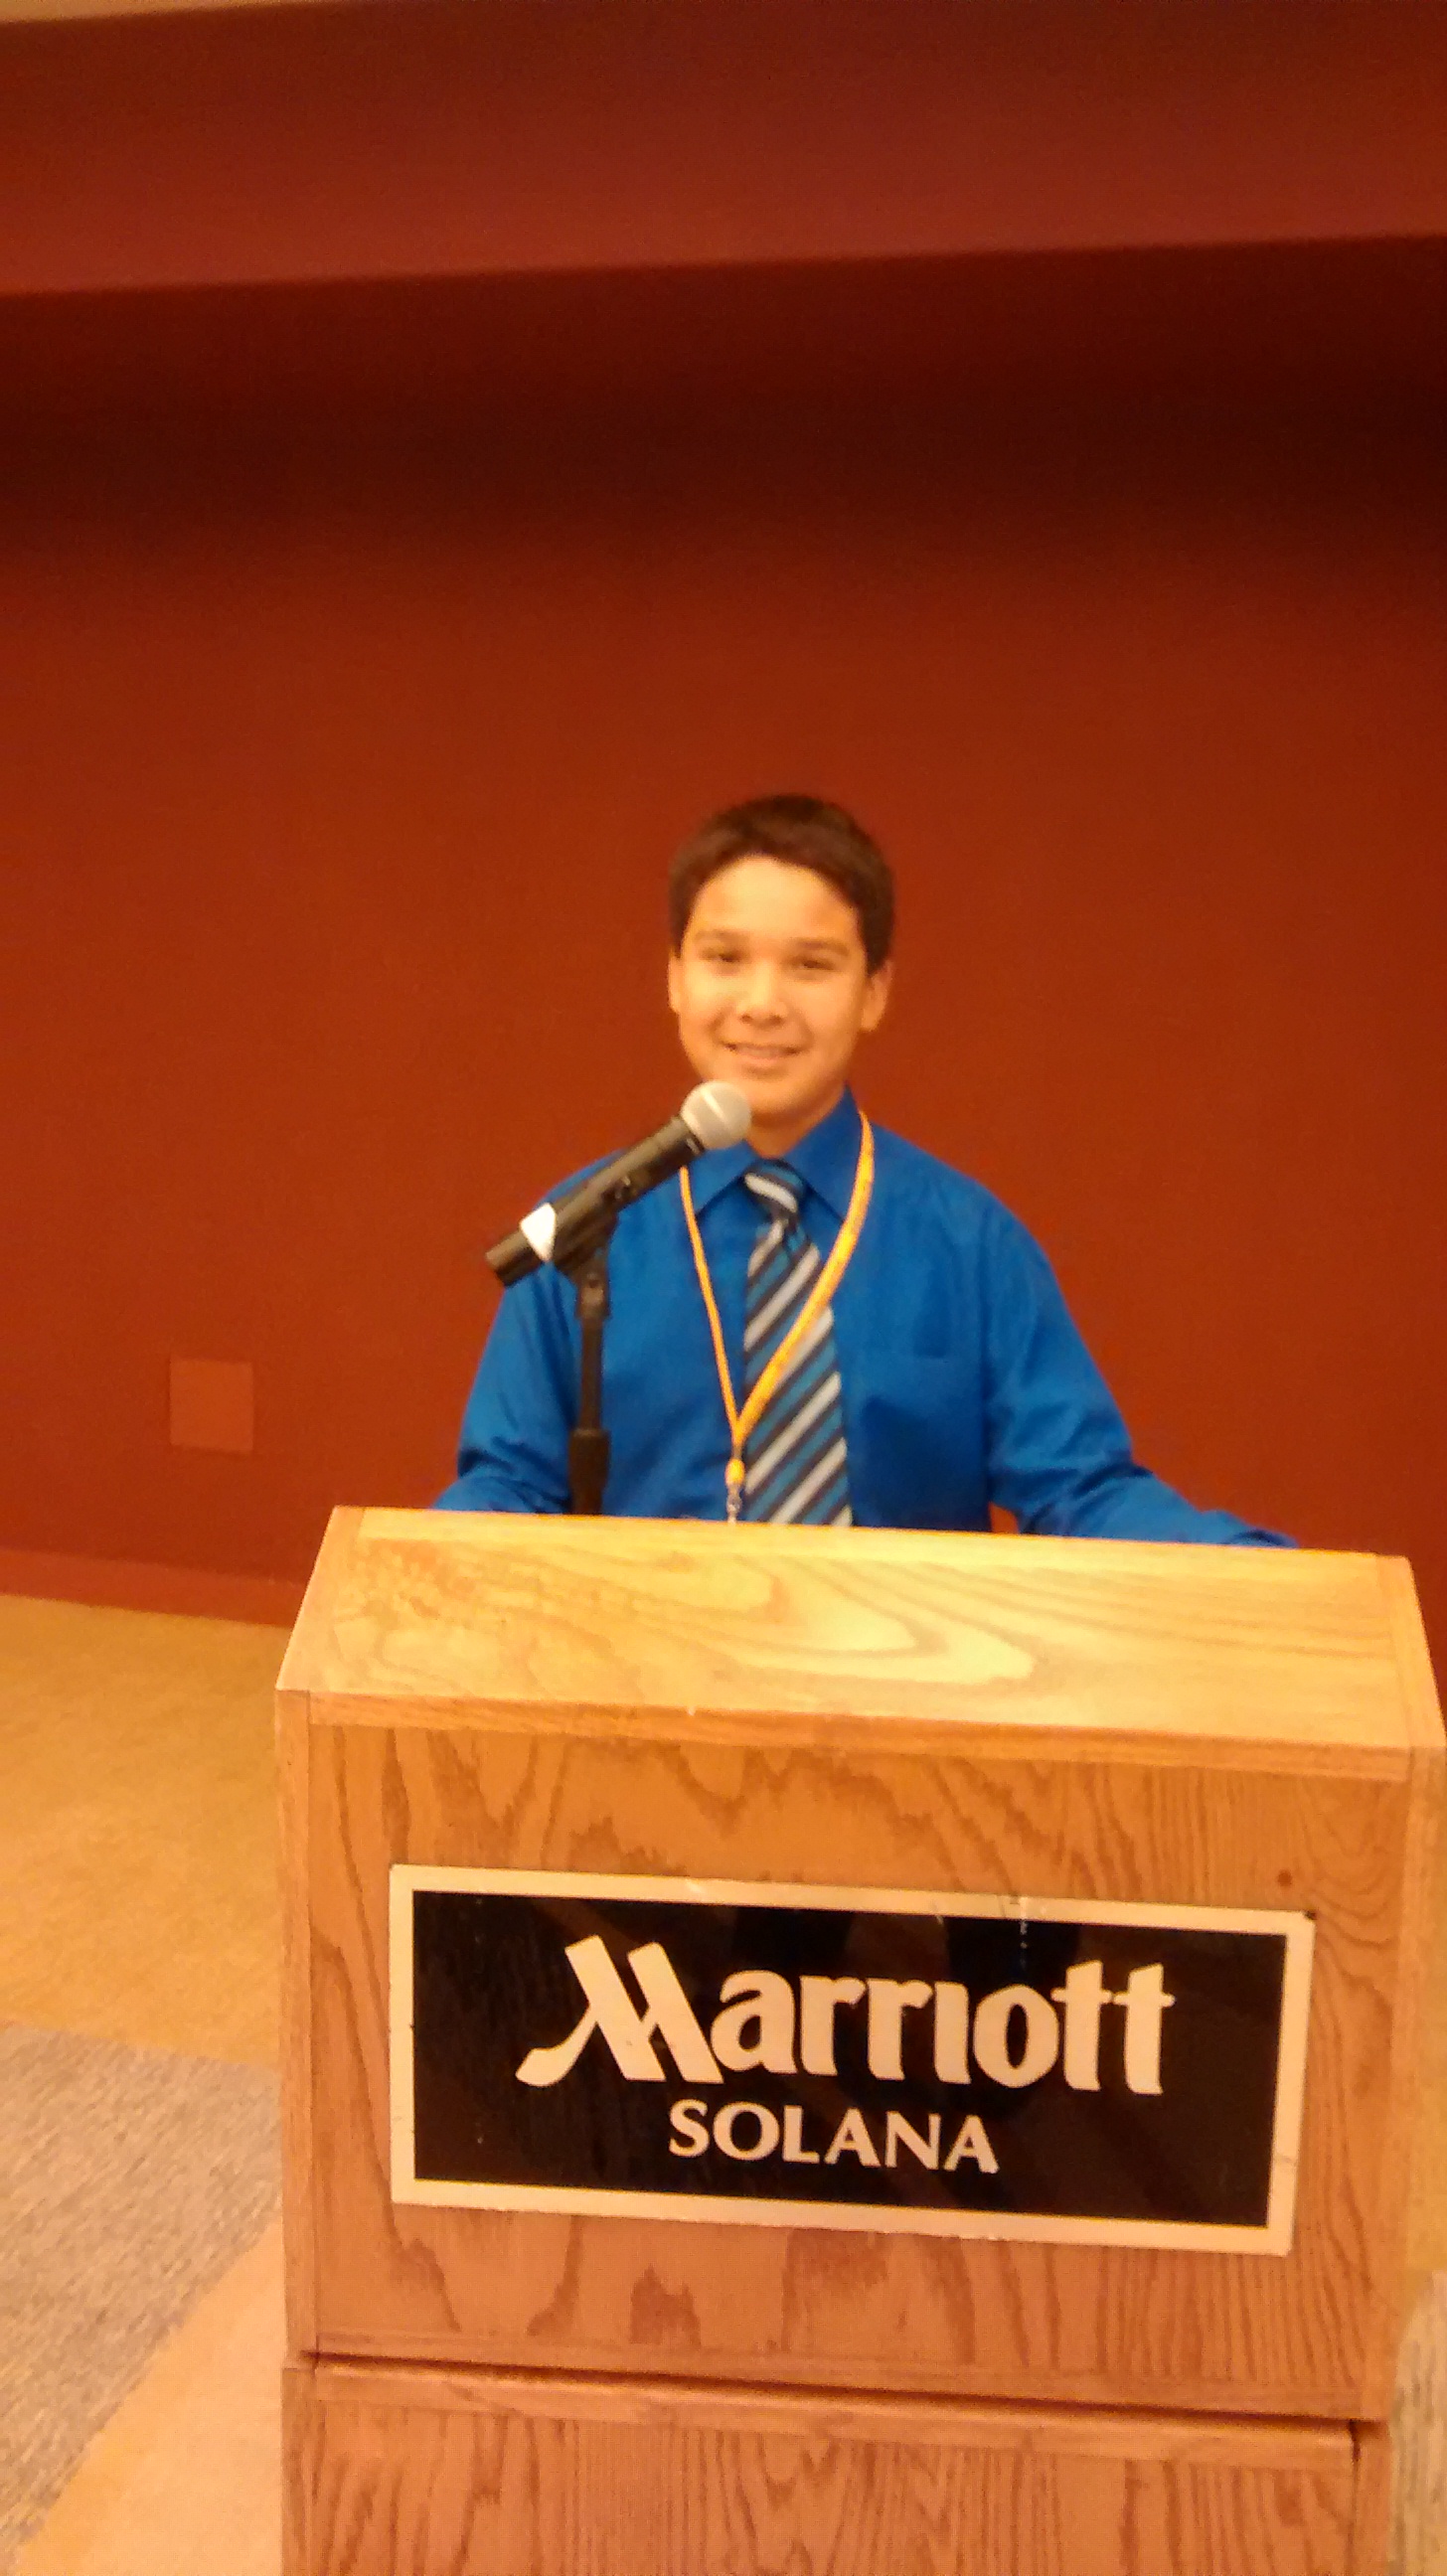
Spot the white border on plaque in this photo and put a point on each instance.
(1297, 1930)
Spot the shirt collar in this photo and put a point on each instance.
(825, 1161)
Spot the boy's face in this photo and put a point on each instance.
(771, 990)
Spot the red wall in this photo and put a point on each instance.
(465, 137)
(342, 763)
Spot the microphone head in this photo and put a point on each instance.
(718, 1113)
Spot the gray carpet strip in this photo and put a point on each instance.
(130, 2180)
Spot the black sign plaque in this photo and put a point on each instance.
(848, 2057)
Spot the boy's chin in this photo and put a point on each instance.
(766, 1095)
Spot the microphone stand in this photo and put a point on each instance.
(588, 1445)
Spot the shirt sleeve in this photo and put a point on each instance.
(513, 1455)
(1058, 1454)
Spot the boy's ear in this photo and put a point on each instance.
(675, 969)
(876, 996)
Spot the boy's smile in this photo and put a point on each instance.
(771, 989)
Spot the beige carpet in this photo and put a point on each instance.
(138, 1828)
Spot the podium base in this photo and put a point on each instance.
(407, 2471)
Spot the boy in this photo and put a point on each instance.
(824, 1323)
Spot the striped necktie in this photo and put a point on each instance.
(795, 1467)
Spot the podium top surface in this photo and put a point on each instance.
(751, 1633)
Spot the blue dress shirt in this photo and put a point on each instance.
(964, 1380)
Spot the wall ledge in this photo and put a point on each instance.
(114, 1583)
(453, 138)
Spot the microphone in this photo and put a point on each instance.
(714, 1114)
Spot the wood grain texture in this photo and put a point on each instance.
(293, 1782)
(293, 1771)
(1419, 2438)
(1070, 2322)
(1414, 1998)
(1372, 2503)
(1061, 1791)
(410, 2473)
(674, 1626)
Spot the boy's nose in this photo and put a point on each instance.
(761, 993)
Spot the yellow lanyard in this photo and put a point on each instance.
(742, 1423)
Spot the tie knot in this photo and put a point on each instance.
(777, 1186)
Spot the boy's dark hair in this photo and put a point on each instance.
(804, 832)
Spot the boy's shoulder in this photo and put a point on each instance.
(910, 1170)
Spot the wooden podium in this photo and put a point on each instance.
(1058, 1742)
